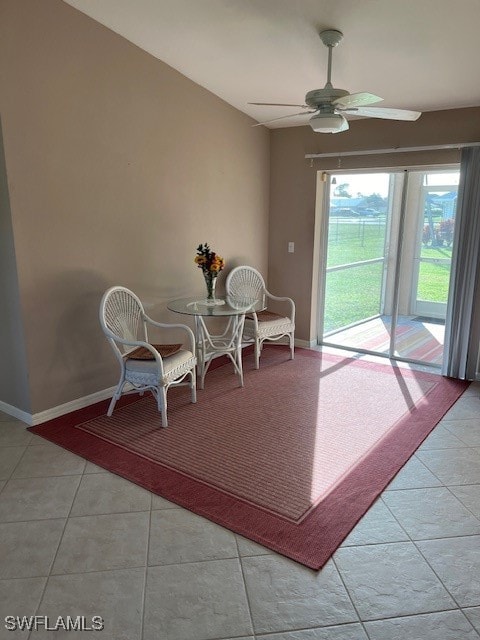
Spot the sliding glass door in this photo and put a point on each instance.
(356, 268)
(434, 244)
(386, 273)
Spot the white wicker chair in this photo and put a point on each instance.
(124, 323)
(247, 283)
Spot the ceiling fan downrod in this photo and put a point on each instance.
(330, 38)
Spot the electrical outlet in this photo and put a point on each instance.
(291, 247)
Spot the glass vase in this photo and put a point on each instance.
(210, 281)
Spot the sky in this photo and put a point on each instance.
(369, 183)
(365, 183)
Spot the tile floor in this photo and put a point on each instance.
(76, 540)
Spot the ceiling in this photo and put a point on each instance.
(416, 54)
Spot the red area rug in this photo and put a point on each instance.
(292, 461)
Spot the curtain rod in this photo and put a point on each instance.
(365, 152)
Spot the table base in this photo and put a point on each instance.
(228, 343)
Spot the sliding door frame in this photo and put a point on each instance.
(323, 211)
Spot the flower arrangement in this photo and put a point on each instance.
(208, 261)
(442, 234)
(211, 264)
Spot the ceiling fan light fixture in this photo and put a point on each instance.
(327, 122)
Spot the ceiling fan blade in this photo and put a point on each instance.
(279, 104)
(292, 115)
(385, 113)
(356, 100)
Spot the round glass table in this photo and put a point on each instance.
(228, 343)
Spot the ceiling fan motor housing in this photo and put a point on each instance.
(318, 97)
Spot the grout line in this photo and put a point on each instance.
(453, 422)
(56, 554)
(13, 446)
(70, 517)
(417, 615)
(10, 477)
(422, 555)
(451, 484)
(230, 637)
(419, 460)
(147, 552)
(348, 594)
(176, 564)
(91, 571)
(435, 572)
(476, 516)
(240, 561)
(410, 539)
(468, 621)
(60, 475)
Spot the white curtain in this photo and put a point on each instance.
(462, 338)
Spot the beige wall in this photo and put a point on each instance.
(118, 167)
(293, 187)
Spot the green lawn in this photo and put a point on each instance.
(351, 295)
(355, 241)
(433, 282)
(354, 293)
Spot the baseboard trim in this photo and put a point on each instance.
(32, 420)
(73, 405)
(15, 412)
(305, 344)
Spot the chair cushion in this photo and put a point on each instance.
(268, 328)
(146, 372)
(165, 350)
(267, 316)
(150, 366)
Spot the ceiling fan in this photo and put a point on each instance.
(329, 106)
